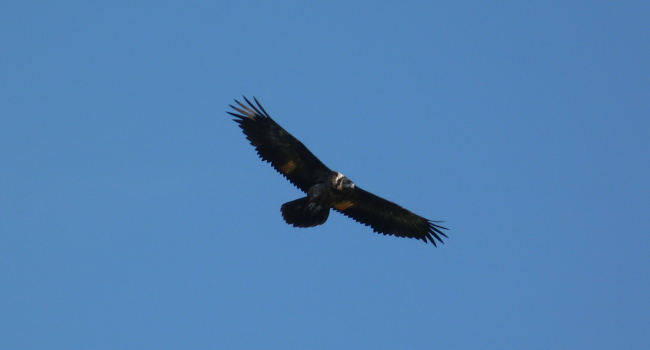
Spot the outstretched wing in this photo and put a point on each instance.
(275, 145)
(388, 218)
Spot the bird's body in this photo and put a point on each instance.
(325, 189)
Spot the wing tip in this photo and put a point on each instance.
(434, 232)
(248, 110)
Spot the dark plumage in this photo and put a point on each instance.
(325, 188)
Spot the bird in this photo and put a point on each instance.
(325, 189)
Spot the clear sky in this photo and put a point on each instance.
(135, 215)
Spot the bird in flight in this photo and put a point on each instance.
(325, 189)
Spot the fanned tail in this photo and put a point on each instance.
(303, 213)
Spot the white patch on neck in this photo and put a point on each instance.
(338, 176)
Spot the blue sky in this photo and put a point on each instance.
(134, 214)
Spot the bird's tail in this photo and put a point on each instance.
(303, 213)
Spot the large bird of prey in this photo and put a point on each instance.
(325, 188)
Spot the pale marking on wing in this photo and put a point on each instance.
(288, 167)
(245, 107)
(343, 205)
(243, 112)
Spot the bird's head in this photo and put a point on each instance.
(341, 183)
